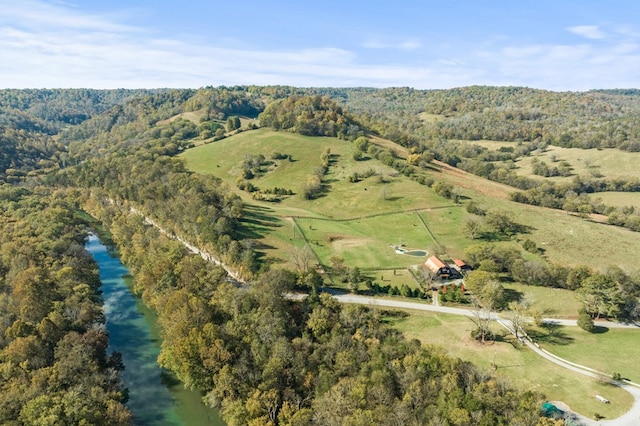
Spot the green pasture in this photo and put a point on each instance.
(519, 365)
(193, 116)
(488, 144)
(446, 226)
(385, 191)
(396, 277)
(608, 163)
(562, 237)
(610, 350)
(368, 242)
(364, 242)
(618, 199)
(551, 302)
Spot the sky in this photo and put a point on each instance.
(560, 45)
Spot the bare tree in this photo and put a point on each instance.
(427, 278)
(482, 319)
(518, 319)
(301, 258)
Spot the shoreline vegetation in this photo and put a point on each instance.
(264, 179)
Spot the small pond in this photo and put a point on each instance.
(417, 253)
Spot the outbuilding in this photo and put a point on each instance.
(438, 267)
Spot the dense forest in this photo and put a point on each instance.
(259, 357)
(53, 361)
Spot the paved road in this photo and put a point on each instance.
(389, 303)
(631, 418)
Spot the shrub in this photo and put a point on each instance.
(585, 321)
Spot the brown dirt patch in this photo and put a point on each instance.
(341, 242)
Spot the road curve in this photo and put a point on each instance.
(631, 418)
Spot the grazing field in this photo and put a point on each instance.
(551, 302)
(446, 227)
(193, 116)
(561, 237)
(608, 163)
(519, 365)
(490, 145)
(608, 350)
(360, 221)
(369, 242)
(618, 199)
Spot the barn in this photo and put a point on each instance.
(438, 267)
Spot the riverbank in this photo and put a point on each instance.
(156, 397)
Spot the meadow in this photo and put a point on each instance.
(361, 221)
(607, 163)
(518, 365)
(618, 199)
(561, 237)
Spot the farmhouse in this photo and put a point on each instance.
(438, 267)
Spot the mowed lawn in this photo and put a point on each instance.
(611, 351)
(369, 242)
(519, 365)
(551, 302)
(446, 226)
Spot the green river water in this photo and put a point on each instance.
(156, 397)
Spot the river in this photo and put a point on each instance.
(156, 397)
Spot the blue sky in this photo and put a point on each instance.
(556, 45)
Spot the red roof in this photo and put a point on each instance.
(459, 263)
(435, 263)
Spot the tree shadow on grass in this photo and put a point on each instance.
(256, 222)
(511, 295)
(598, 329)
(551, 333)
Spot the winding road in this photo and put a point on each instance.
(631, 418)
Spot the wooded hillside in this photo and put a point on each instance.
(261, 358)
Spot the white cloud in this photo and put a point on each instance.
(592, 32)
(45, 44)
(409, 44)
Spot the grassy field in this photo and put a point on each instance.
(489, 144)
(515, 363)
(367, 242)
(618, 199)
(611, 350)
(562, 237)
(193, 116)
(607, 163)
(551, 302)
